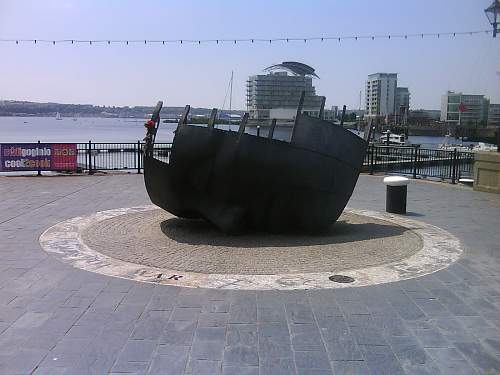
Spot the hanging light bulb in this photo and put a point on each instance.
(271, 40)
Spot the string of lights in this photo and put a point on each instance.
(245, 40)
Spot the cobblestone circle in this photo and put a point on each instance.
(156, 238)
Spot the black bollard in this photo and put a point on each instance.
(395, 200)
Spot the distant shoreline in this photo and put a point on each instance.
(14, 108)
(95, 115)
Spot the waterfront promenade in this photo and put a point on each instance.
(56, 319)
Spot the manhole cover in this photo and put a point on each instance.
(341, 279)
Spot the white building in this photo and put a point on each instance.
(464, 109)
(277, 94)
(380, 94)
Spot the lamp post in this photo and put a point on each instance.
(493, 14)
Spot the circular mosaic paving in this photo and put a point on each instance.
(158, 239)
(149, 244)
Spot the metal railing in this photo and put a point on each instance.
(408, 160)
(419, 162)
(99, 156)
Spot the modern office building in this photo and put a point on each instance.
(402, 100)
(494, 115)
(380, 94)
(464, 109)
(277, 93)
(401, 105)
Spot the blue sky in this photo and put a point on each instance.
(199, 74)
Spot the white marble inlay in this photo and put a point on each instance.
(440, 249)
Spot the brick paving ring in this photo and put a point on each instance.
(150, 245)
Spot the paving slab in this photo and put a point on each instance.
(56, 319)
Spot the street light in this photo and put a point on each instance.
(493, 14)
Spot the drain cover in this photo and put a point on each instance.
(341, 279)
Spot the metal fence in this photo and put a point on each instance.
(408, 160)
(419, 162)
(99, 156)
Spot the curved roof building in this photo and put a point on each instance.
(277, 93)
(293, 67)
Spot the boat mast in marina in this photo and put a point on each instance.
(231, 94)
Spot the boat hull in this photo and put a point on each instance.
(241, 182)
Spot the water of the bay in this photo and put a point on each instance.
(79, 130)
(119, 130)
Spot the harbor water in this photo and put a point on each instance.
(121, 130)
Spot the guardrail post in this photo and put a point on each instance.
(454, 167)
(498, 140)
(90, 158)
(371, 157)
(138, 157)
(39, 173)
(415, 160)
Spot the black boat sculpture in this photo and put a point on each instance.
(241, 182)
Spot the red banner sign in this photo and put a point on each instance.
(38, 156)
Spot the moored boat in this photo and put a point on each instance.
(393, 139)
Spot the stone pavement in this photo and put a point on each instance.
(159, 239)
(55, 319)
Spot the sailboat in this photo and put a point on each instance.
(58, 116)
